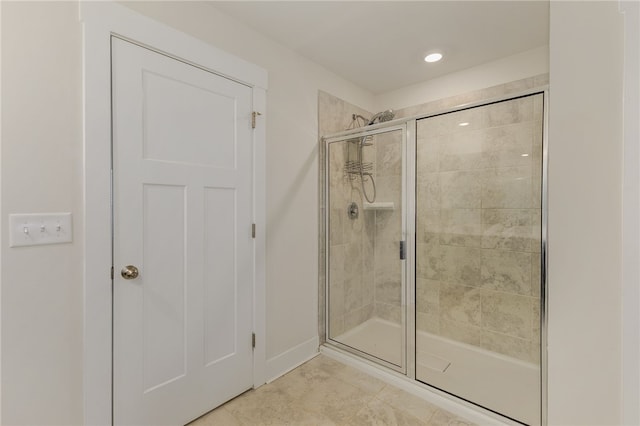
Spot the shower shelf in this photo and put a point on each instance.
(379, 206)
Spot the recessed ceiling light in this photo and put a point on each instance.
(524, 155)
(433, 57)
(463, 124)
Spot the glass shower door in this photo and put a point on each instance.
(478, 228)
(365, 273)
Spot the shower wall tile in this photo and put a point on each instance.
(535, 330)
(460, 227)
(506, 271)
(462, 332)
(536, 283)
(478, 235)
(429, 227)
(536, 225)
(388, 312)
(507, 314)
(388, 225)
(460, 304)
(389, 188)
(536, 186)
(507, 146)
(353, 260)
(353, 293)
(389, 155)
(428, 149)
(428, 189)
(489, 93)
(336, 325)
(388, 289)
(508, 345)
(538, 107)
(337, 270)
(507, 229)
(478, 261)
(461, 190)
(429, 261)
(336, 231)
(463, 151)
(356, 317)
(427, 296)
(505, 113)
(461, 265)
(540, 80)
(336, 306)
(428, 322)
(509, 187)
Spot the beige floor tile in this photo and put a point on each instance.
(324, 392)
(267, 405)
(362, 381)
(411, 404)
(378, 413)
(337, 400)
(444, 418)
(217, 417)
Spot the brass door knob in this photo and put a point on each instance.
(129, 272)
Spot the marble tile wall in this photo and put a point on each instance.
(364, 266)
(388, 227)
(478, 238)
(478, 226)
(351, 243)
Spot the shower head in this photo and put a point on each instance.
(382, 116)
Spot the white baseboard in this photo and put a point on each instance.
(281, 364)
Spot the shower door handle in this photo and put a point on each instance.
(403, 250)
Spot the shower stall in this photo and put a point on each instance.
(435, 250)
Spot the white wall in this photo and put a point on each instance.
(516, 67)
(585, 212)
(41, 172)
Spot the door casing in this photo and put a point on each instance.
(100, 21)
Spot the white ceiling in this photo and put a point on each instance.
(380, 45)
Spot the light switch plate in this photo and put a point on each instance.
(37, 229)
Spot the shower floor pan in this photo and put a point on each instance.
(503, 384)
(377, 337)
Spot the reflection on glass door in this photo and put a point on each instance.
(478, 228)
(365, 282)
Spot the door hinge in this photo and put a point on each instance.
(253, 230)
(254, 114)
(112, 272)
(253, 340)
(403, 250)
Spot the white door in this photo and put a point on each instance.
(182, 197)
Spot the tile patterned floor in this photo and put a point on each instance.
(326, 392)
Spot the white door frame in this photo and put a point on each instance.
(100, 20)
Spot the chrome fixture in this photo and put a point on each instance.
(353, 210)
(357, 167)
(129, 272)
(382, 117)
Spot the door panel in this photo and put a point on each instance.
(163, 310)
(182, 167)
(220, 274)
